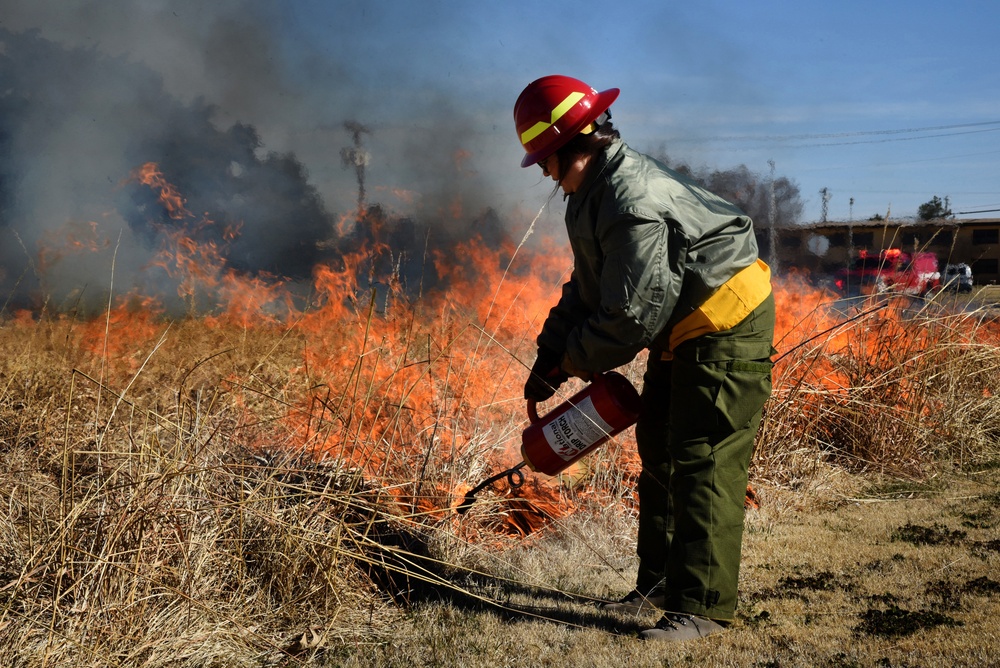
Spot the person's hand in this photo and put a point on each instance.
(545, 376)
(570, 369)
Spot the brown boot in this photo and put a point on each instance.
(673, 626)
(635, 602)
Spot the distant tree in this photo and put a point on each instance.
(749, 190)
(877, 216)
(935, 209)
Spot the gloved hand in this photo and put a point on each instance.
(567, 367)
(545, 375)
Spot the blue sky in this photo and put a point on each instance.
(888, 103)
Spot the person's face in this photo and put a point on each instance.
(550, 166)
(569, 177)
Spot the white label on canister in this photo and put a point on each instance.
(576, 430)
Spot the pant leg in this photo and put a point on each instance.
(655, 511)
(719, 384)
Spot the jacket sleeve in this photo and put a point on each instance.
(640, 281)
(568, 313)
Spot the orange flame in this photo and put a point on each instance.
(74, 238)
(150, 175)
(413, 391)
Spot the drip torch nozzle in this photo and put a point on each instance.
(515, 478)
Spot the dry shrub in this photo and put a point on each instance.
(900, 387)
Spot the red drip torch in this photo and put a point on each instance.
(570, 431)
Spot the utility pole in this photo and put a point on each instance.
(357, 157)
(825, 192)
(850, 232)
(772, 216)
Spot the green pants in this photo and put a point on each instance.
(700, 415)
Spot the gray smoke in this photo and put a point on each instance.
(202, 91)
(76, 123)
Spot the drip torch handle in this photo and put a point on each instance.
(532, 409)
(533, 405)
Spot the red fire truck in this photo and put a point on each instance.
(890, 270)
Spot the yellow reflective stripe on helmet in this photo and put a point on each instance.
(557, 113)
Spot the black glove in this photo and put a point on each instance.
(545, 375)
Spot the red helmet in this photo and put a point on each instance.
(552, 110)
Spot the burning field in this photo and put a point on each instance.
(234, 431)
(254, 470)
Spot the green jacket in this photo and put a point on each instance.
(649, 247)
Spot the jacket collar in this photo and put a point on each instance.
(598, 165)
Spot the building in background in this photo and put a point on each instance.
(824, 248)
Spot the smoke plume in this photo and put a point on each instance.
(77, 123)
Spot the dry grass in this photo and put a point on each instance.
(204, 493)
(141, 527)
(901, 388)
(843, 586)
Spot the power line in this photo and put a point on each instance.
(962, 213)
(843, 135)
(863, 141)
(884, 141)
(935, 159)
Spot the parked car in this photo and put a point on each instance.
(889, 270)
(957, 277)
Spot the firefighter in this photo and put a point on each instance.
(663, 265)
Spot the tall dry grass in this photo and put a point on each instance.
(901, 388)
(145, 524)
(234, 493)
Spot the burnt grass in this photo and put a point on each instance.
(798, 586)
(895, 622)
(884, 617)
(887, 614)
(935, 534)
(949, 595)
(938, 534)
(888, 619)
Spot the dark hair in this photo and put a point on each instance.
(589, 144)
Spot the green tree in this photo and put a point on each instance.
(749, 190)
(935, 209)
